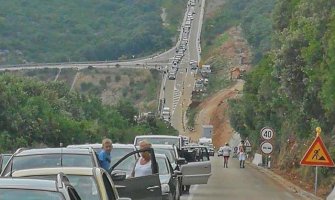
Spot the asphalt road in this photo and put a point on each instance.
(178, 92)
(238, 184)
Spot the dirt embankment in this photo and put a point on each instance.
(214, 109)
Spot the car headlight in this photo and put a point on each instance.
(165, 188)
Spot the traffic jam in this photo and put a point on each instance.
(183, 42)
(79, 172)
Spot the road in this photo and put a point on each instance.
(239, 184)
(178, 92)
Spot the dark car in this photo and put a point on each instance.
(50, 157)
(168, 178)
(33, 189)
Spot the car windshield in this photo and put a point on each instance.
(85, 186)
(168, 152)
(162, 166)
(20, 194)
(51, 160)
(118, 153)
(162, 140)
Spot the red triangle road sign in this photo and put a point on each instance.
(317, 155)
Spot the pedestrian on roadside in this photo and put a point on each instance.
(226, 154)
(105, 155)
(241, 153)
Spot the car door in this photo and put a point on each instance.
(197, 172)
(138, 188)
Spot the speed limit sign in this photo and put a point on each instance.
(267, 133)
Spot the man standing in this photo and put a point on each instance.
(241, 152)
(104, 155)
(226, 154)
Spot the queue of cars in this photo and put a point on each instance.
(182, 45)
(76, 172)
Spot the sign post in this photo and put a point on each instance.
(267, 135)
(318, 156)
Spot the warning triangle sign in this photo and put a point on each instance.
(317, 155)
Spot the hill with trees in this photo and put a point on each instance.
(35, 113)
(85, 30)
(292, 87)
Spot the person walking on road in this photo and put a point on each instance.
(105, 155)
(226, 154)
(241, 153)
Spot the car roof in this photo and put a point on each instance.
(157, 136)
(31, 184)
(162, 146)
(81, 171)
(98, 145)
(27, 152)
(158, 155)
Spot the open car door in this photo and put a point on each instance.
(137, 188)
(197, 172)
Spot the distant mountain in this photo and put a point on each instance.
(81, 30)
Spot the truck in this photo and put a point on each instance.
(207, 131)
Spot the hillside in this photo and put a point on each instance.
(292, 88)
(140, 87)
(36, 114)
(81, 30)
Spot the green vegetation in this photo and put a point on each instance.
(35, 113)
(292, 88)
(254, 17)
(81, 30)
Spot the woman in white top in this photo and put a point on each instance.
(143, 165)
(226, 154)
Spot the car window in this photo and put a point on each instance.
(51, 160)
(162, 166)
(168, 141)
(118, 153)
(85, 186)
(170, 154)
(108, 186)
(17, 194)
(127, 165)
(5, 159)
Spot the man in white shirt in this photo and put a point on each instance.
(226, 154)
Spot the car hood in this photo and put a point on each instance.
(164, 179)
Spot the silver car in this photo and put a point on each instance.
(33, 189)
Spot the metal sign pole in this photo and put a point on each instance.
(316, 181)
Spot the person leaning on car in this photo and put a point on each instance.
(105, 155)
(143, 164)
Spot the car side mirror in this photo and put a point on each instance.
(177, 173)
(118, 175)
(181, 161)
